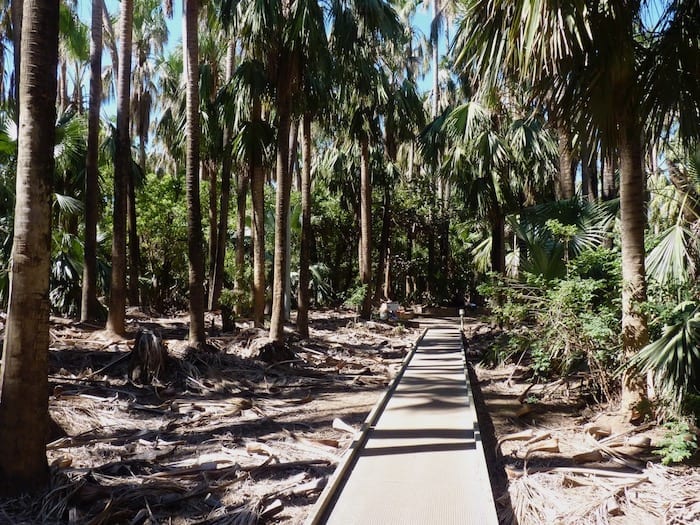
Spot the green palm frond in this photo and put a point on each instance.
(670, 260)
(674, 359)
(468, 121)
(68, 205)
(481, 255)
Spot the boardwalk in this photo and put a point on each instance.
(421, 461)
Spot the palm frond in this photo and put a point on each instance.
(68, 205)
(670, 260)
(674, 359)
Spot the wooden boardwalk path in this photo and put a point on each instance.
(420, 460)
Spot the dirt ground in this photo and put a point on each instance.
(556, 455)
(225, 437)
(222, 438)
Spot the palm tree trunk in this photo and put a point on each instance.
(16, 15)
(195, 244)
(257, 182)
(280, 280)
(111, 40)
(24, 365)
(632, 224)
(380, 290)
(589, 175)
(608, 170)
(89, 305)
(122, 169)
(303, 299)
(365, 226)
(565, 182)
(293, 152)
(498, 239)
(134, 250)
(436, 61)
(226, 166)
(209, 169)
(62, 86)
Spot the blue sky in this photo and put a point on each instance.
(421, 21)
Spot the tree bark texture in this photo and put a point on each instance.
(633, 221)
(565, 182)
(195, 241)
(16, 14)
(257, 182)
(609, 169)
(365, 226)
(498, 239)
(280, 280)
(209, 169)
(226, 167)
(303, 294)
(89, 307)
(24, 365)
(122, 169)
(134, 249)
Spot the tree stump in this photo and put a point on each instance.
(148, 357)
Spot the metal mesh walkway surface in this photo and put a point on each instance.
(421, 460)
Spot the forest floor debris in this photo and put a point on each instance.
(556, 456)
(221, 437)
(225, 438)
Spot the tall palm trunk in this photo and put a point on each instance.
(257, 183)
(632, 224)
(195, 244)
(303, 299)
(89, 305)
(209, 173)
(217, 283)
(608, 171)
(122, 169)
(365, 226)
(282, 198)
(16, 16)
(498, 239)
(242, 182)
(24, 365)
(565, 181)
(589, 175)
(133, 245)
(381, 288)
(383, 270)
(436, 60)
(292, 161)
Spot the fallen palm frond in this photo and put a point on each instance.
(595, 496)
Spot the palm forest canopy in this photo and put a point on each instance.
(539, 158)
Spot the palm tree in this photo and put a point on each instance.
(16, 14)
(286, 80)
(24, 365)
(195, 243)
(592, 61)
(303, 298)
(217, 274)
(122, 173)
(353, 41)
(89, 308)
(150, 33)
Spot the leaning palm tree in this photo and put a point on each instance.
(24, 365)
(591, 61)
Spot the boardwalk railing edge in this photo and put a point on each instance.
(319, 509)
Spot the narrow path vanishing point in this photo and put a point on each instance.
(420, 459)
